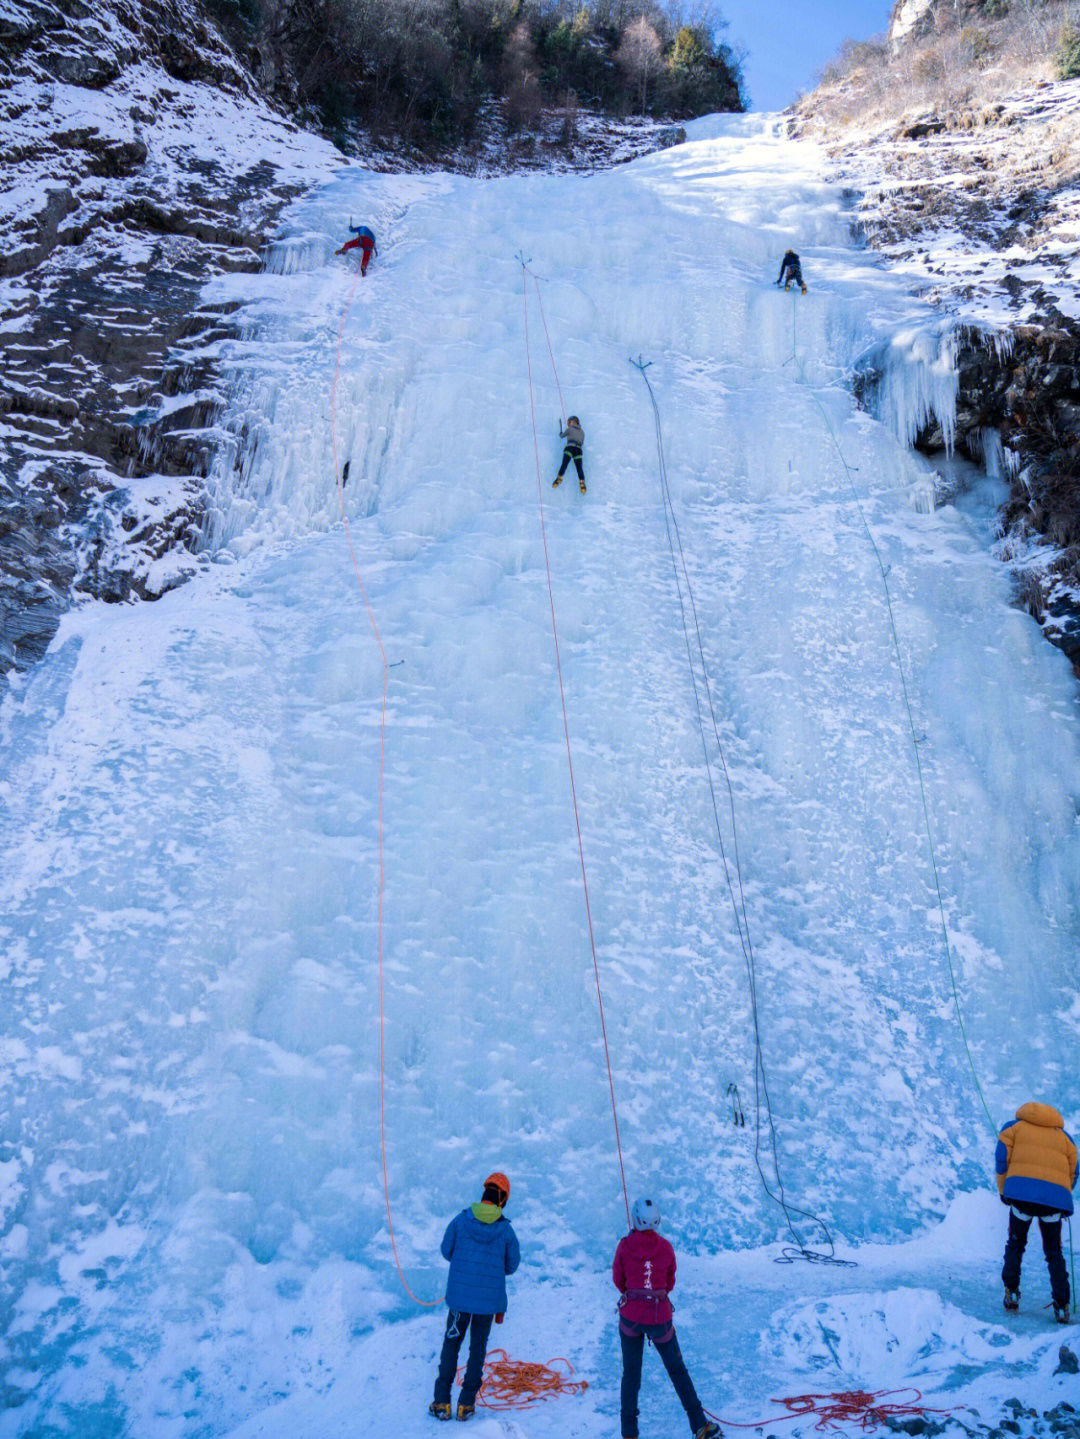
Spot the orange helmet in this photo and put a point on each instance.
(499, 1181)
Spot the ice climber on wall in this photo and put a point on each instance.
(791, 270)
(482, 1249)
(365, 241)
(644, 1274)
(574, 436)
(1036, 1174)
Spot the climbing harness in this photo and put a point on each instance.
(340, 479)
(916, 739)
(865, 1409)
(796, 1250)
(525, 274)
(515, 1384)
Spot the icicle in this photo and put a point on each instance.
(296, 254)
(911, 380)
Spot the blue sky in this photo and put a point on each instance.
(789, 40)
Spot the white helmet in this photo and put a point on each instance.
(645, 1214)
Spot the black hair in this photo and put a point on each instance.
(494, 1195)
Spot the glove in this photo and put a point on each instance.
(500, 1317)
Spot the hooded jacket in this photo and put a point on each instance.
(482, 1249)
(644, 1274)
(1036, 1159)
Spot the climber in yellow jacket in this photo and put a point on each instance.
(1036, 1174)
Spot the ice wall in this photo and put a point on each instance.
(192, 1189)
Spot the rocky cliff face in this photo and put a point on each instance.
(981, 203)
(915, 19)
(138, 163)
(910, 19)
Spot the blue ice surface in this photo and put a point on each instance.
(193, 1220)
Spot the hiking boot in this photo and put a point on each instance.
(556, 482)
(581, 486)
(1012, 1300)
(804, 289)
(711, 1431)
(1061, 1313)
(465, 1411)
(439, 1411)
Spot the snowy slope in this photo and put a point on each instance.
(191, 1188)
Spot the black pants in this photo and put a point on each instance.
(1050, 1227)
(633, 1346)
(792, 272)
(572, 452)
(479, 1327)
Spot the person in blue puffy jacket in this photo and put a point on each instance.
(482, 1248)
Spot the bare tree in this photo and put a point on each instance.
(524, 100)
(640, 55)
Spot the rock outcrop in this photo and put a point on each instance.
(138, 163)
(910, 20)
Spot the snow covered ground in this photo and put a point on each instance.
(979, 208)
(190, 1183)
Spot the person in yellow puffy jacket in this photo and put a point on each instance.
(1036, 1174)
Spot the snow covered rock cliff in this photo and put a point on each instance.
(138, 162)
(981, 205)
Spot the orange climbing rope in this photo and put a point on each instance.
(515, 1384)
(866, 1409)
(525, 271)
(427, 1303)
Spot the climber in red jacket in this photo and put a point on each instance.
(365, 241)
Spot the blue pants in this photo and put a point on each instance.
(633, 1338)
(1050, 1227)
(479, 1327)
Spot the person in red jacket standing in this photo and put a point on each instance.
(644, 1274)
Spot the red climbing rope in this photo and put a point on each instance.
(516, 1384)
(566, 723)
(427, 1303)
(865, 1409)
(547, 337)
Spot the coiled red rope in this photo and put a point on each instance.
(864, 1408)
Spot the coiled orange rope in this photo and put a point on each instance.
(514, 1384)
